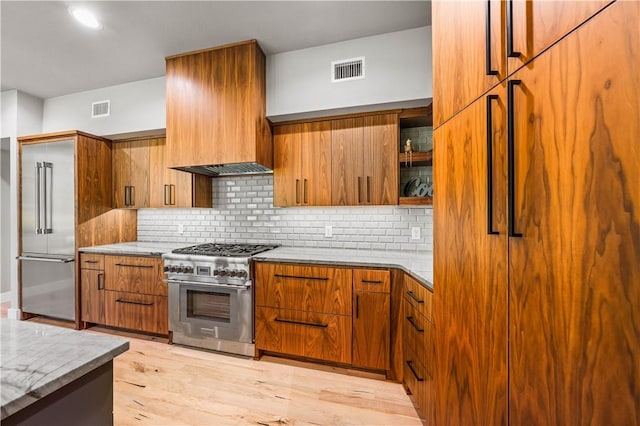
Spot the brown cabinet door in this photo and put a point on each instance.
(135, 274)
(380, 167)
(308, 334)
(92, 295)
(470, 304)
(316, 163)
(140, 312)
(139, 155)
(371, 330)
(304, 288)
(159, 191)
(347, 162)
(121, 174)
(287, 166)
(574, 290)
(460, 51)
(538, 24)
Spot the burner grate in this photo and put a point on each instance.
(225, 249)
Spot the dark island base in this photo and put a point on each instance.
(85, 401)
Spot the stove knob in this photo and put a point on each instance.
(222, 272)
(172, 268)
(188, 269)
(216, 272)
(242, 274)
(166, 269)
(233, 273)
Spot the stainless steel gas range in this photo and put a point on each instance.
(211, 296)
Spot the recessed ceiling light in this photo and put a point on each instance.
(85, 17)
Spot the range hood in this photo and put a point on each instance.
(234, 169)
(216, 111)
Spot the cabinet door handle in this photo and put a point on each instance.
(133, 302)
(490, 230)
(487, 42)
(372, 281)
(359, 189)
(300, 277)
(164, 202)
(368, 189)
(127, 265)
(132, 195)
(172, 194)
(510, 52)
(357, 306)
(412, 295)
(418, 378)
(100, 275)
(297, 191)
(412, 322)
(310, 324)
(304, 191)
(511, 162)
(126, 196)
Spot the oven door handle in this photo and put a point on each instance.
(204, 284)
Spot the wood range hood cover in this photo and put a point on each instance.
(216, 107)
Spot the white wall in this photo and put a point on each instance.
(21, 115)
(136, 106)
(397, 72)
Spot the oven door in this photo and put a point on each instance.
(210, 315)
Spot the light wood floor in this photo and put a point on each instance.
(160, 384)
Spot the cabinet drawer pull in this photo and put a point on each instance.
(511, 162)
(420, 330)
(490, 230)
(310, 324)
(372, 281)
(357, 306)
(299, 277)
(418, 378)
(91, 261)
(132, 302)
(100, 275)
(412, 295)
(126, 265)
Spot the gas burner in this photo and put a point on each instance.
(225, 250)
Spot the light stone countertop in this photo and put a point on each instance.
(39, 359)
(418, 265)
(136, 248)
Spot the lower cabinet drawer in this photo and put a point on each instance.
(139, 312)
(418, 382)
(307, 334)
(418, 335)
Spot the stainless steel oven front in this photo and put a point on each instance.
(212, 316)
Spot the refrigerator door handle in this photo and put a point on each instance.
(48, 202)
(38, 166)
(47, 259)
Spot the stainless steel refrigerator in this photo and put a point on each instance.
(47, 229)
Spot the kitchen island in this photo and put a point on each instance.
(52, 375)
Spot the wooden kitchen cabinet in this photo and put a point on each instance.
(558, 251)
(92, 288)
(139, 312)
(135, 274)
(304, 310)
(371, 312)
(364, 160)
(471, 40)
(302, 164)
(131, 174)
(216, 106)
(174, 188)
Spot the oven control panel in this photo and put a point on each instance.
(218, 271)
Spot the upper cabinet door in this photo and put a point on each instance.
(380, 176)
(537, 24)
(287, 173)
(346, 162)
(468, 53)
(316, 163)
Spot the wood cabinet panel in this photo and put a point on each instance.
(131, 174)
(133, 311)
(92, 295)
(305, 288)
(121, 174)
(308, 334)
(470, 305)
(216, 107)
(371, 330)
(93, 176)
(287, 165)
(347, 152)
(377, 280)
(419, 297)
(574, 298)
(316, 163)
(135, 274)
(417, 335)
(380, 167)
(92, 261)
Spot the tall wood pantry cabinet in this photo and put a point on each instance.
(537, 218)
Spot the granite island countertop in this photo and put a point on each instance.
(39, 359)
(418, 265)
(136, 248)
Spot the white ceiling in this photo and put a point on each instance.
(46, 53)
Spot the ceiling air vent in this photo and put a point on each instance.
(100, 109)
(347, 69)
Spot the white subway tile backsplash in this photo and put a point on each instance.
(243, 211)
